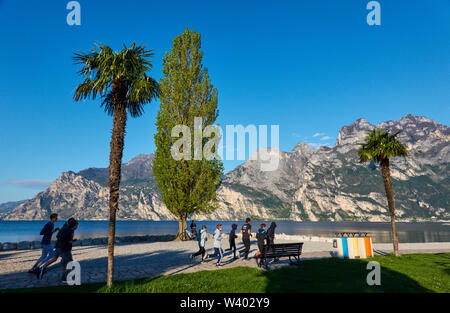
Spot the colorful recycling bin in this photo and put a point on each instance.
(353, 247)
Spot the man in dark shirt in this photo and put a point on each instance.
(193, 229)
(232, 240)
(261, 237)
(56, 252)
(66, 241)
(271, 233)
(246, 234)
(46, 243)
(63, 248)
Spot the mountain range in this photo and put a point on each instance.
(324, 184)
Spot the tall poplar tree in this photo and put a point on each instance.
(188, 185)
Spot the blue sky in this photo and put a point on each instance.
(308, 66)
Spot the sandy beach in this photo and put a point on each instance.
(137, 260)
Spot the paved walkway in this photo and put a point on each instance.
(153, 259)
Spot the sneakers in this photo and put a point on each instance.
(218, 264)
(64, 279)
(40, 272)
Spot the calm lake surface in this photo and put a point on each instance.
(15, 231)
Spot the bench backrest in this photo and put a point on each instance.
(284, 249)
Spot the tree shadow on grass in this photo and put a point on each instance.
(138, 265)
(337, 276)
(445, 264)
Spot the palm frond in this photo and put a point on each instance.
(101, 67)
(380, 145)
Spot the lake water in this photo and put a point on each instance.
(15, 231)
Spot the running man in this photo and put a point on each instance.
(46, 243)
(246, 234)
(58, 245)
(261, 237)
(232, 239)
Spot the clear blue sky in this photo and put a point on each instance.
(308, 66)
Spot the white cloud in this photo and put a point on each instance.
(325, 138)
(28, 183)
(318, 134)
(317, 145)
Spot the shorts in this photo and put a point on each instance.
(66, 258)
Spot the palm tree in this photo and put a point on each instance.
(379, 147)
(120, 79)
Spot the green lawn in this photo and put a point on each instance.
(408, 273)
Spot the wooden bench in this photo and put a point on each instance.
(291, 250)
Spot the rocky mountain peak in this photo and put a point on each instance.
(303, 148)
(308, 184)
(353, 133)
(141, 159)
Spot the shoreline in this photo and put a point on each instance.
(94, 241)
(151, 259)
(98, 241)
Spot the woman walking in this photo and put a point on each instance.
(201, 244)
(218, 245)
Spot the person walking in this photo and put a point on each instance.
(218, 252)
(46, 243)
(232, 240)
(271, 236)
(193, 229)
(261, 237)
(246, 234)
(271, 233)
(201, 244)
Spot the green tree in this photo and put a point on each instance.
(379, 147)
(120, 79)
(187, 185)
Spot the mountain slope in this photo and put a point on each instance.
(309, 184)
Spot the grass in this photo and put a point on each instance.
(407, 273)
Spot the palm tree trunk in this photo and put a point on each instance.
(386, 173)
(115, 163)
